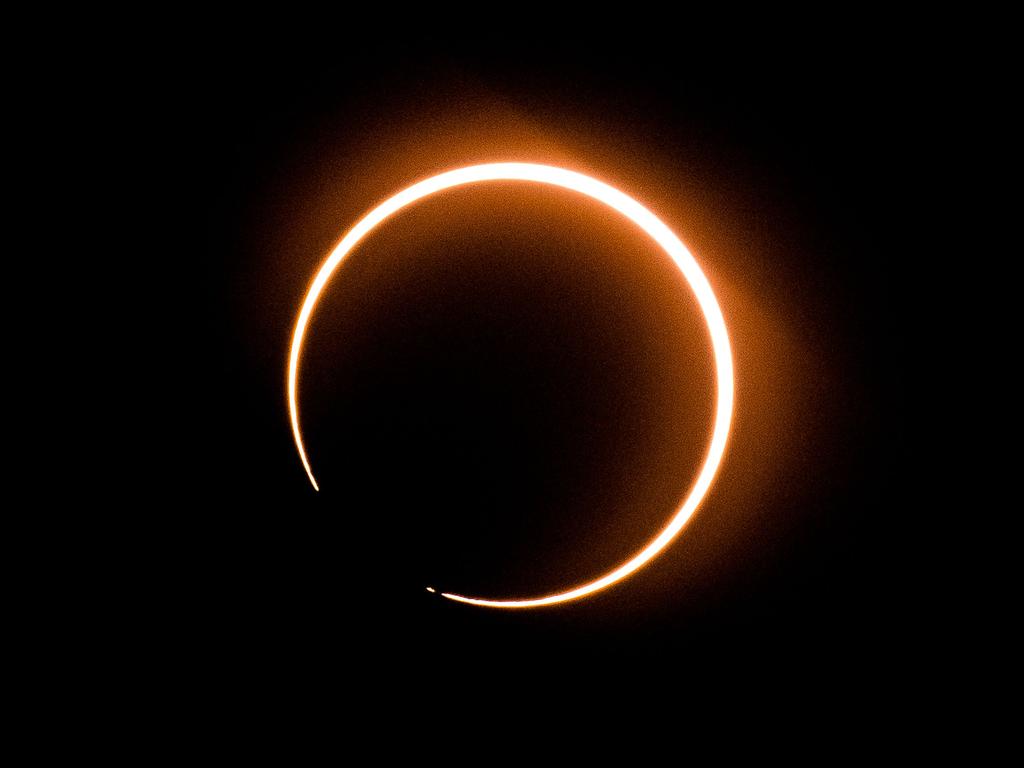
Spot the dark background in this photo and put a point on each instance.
(507, 392)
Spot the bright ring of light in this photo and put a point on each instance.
(643, 218)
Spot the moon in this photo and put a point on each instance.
(649, 223)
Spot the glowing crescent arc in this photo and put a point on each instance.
(649, 223)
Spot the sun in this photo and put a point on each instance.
(650, 224)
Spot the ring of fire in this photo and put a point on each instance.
(649, 223)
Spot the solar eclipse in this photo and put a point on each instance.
(648, 223)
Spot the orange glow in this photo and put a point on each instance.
(649, 223)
